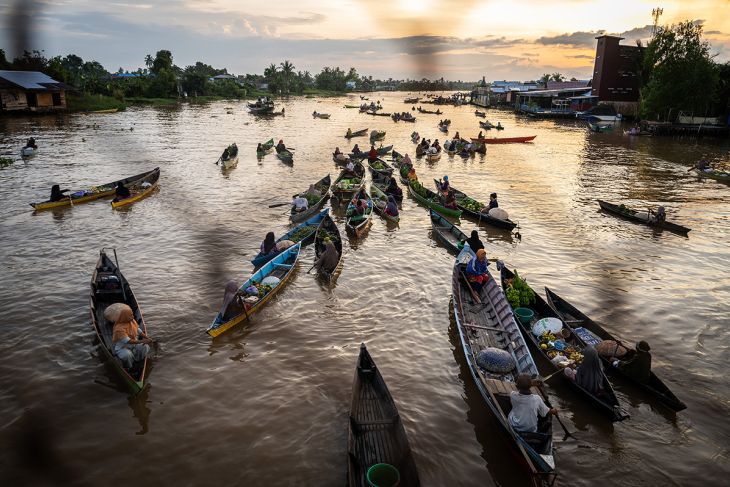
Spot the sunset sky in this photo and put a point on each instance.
(456, 39)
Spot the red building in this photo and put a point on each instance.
(614, 74)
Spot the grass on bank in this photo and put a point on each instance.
(91, 103)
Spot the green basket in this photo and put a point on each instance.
(383, 475)
(524, 315)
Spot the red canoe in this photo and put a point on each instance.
(503, 140)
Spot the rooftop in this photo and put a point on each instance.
(32, 80)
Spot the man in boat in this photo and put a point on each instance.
(122, 192)
(57, 193)
(131, 345)
(31, 143)
(493, 203)
(328, 259)
(300, 203)
(259, 148)
(337, 152)
(226, 153)
(280, 147)
(356, 149)
(704, 166)
(480, 136)
(436, 145)
(350, 168)
(526, 406)
(476, 271)
(499, 126)
(457, 137)
(637, 367)
(349, 133)
(373, 153)
(660, 216)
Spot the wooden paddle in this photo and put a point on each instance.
(474, 295)
(276, 205)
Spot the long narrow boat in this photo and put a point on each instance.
(590, 332)
(380, 200)
(138, 190)
(109, 286)
(377, 135)
(91, 194)
(430, 199)
(606, 402)
(285, 156)
(357, 225)
(347, 184)
(472, 208)
(376, 434)
(641, 217)
(352, 106)
(327, 230)
(380, 167)
(231, 159)
(302, 233)
(266, 146)
(480, 114)
(714, 174)
(433, 156)
(358, 133)
(323, 186)
(448, 233)
(504, 140)
(490, 325)
(282, 267)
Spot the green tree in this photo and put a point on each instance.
(287, 73)
(681, 75)
(4, 63)
(163, 60)
(557, 77)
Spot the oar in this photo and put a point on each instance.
(219, 160)
(276, 205)
(474, 295)
(557, 416)
(310, 269)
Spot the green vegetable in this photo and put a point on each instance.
(518, 293)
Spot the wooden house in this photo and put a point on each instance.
(31, 91)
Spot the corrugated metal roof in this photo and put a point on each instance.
(30, 80)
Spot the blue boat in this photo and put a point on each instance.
(281, 267)
(310, 224)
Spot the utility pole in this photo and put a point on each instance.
(655, 14)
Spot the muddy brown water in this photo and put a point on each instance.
(267, 403)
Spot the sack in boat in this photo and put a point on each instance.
(284, 244)
(111, 313)
(342, 157)
(498, 213)
(270, 281)
(610, 349)
(495, 360)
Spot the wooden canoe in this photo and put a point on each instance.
(266, 146)
(138, 190)
(285, 156)
(444, 128)
(324, 116)
(348, 183)
(302, 233)
(282, 266)
(358, 225)
(380, 200)
(229, 163)
(714, 174)
(462, 199)
(327, 229)
(641, 217)
(376, 433)
(430, 199)
(380, 168)
(492, 324)
(359, 133)
(588, 330)
(323, 186)
(448, 233)
(431, 157)
(480, 114)
(379, 135)
(109, 286)
(504, 140)
(606, 402)
(91, 194)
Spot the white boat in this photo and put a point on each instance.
(28, 151)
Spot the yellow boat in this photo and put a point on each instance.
(138, 191)
(91, 194)
(282, 267)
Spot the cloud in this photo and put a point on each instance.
(581, 56)
(576, 39)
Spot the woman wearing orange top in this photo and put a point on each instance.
(130, 343)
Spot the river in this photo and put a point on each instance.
(267, 403)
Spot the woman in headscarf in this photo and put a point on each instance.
(129, 342)
(444, 185)
(122, 192)
(268, 246)
(231, 302)
(639, 366)
(329, 258)
(406, 159)
(57, 193)
(476, 271)
(589, 374)
(391, 208)
(474, 243)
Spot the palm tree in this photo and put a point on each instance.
(148, 61)
(287, 69)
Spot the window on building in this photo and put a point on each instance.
(32, 99)
(56, 99)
